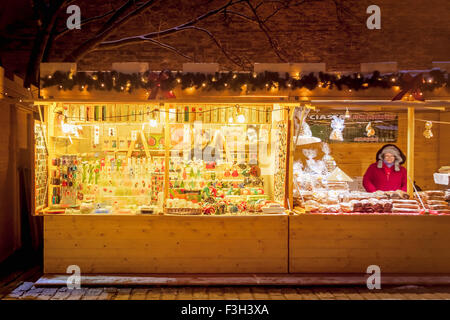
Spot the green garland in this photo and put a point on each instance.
(122, 82)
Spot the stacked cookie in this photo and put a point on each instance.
(435, 200)
(405, 206)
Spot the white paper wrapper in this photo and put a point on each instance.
(441, 178)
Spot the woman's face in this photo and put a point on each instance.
(389, 157)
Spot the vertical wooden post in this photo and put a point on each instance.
(166, 151)
(289, 158)
(50, 122)
(410, 151)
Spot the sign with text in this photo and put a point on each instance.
(356, 126)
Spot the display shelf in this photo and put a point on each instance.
(98, 162)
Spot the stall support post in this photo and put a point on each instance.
(166, 150)
(49, 118)
(289, 183)
(410, 153)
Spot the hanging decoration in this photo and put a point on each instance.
(428, 133)
(329, 161)
(412, 85)
(237, 81)
(303, 131)
(159, 82)
(337, 124)
(347, 114)
(370, 130)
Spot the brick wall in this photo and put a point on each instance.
(414, 33)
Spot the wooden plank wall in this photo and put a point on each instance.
(9, 218)
(15, 144)
(166, 244)
(349, 243)
(430, 154)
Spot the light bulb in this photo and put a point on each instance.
(241, 118)
(230, 119)
(153, 123)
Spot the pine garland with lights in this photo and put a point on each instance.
(235, 81)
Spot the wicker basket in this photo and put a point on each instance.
(183, 211)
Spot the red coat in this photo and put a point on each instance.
(385, 179)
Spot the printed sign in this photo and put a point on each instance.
(355, 130)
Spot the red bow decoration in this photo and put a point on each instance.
(158, 79)
(412, 85)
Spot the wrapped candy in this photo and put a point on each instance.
(243, 206)
(337, 124)
(369, 130)
(209, 210)
(327, 158)
(221, 207)
(233, 208)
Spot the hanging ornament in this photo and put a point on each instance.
(411, 85)
(428, 133)
(347, 114)
(369, 130)
(302, 129)
(337, 124)
(329, 161)
(159, 82)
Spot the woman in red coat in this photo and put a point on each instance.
(386, 174)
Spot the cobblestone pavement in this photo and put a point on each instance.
(26, 290)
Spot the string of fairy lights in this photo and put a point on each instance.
(238, 115)
(237, 81)
(337, 123)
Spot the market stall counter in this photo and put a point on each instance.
(351, 242)
(166, 243)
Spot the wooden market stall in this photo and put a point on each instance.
(103, 227)
(397, 243)
(122, 198)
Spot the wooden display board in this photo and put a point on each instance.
(166, 244)
(40, 190)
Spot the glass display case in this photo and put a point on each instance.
(194, 159)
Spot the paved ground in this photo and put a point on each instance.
(26, 290)
(19, 285)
